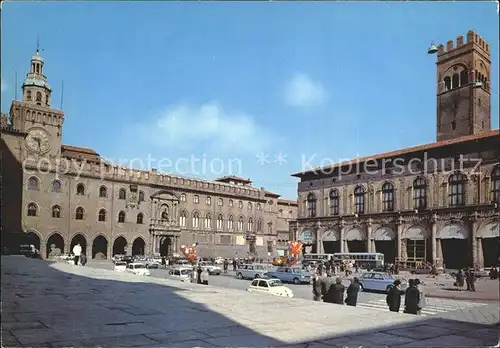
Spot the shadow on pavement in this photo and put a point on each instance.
(46, 307)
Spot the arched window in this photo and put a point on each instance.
(79, 213)
(102, 215)
(259, 225)
(33, 184)
(28, 95)
(196, 219)
(103, 192)
(140, 218)
(311, 205)
(39, 97)
(208, 221)
(230, 202)
(183, 197)
(220, 222)
(387, 197)
(249, 206)
(240, 223)
(258, 207)
(208, 200)
(495, 184)
(220, 202)
(359, 200)
(464, 77)
(141, 196)
(80, 189)
(230, 223)
(270, 228)
(122, 194)
(56, 186)
(334, 202)
(196, 199)
(455, 81)
(240, 204)
(420, 193)
(250, 225)
(456, 184)
(56, 212)
(32, 209)
(121, 217)
(447, 83)
(182, 219)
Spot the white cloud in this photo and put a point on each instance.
(3, 86)
(209, 125)
(303, 91)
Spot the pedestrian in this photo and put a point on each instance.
(393, 298)
(234, 265)
(317, 286)
(226, 265)
(422, 302)
(336, 292)
(198, 272)
(460, 280)
(412, 298)
(356, 267)
(77, 251)
(326, 287)
(471, 280)
(204, 276)
(352, 292)
(83, 259)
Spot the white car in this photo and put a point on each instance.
(137, 268)
(181, 273)
(211, 268)
(120, 266)
(249, 271)
(270, 286)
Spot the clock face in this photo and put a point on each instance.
(38, 141)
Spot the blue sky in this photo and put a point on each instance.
(158, 81)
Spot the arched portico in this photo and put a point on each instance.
(32, 238)
(119, 245)
(331, 241)
(55, 245)
(489, 244)
(138, 246)
(356, 241)
(453, 245)
(386, 243)
(100, 247)
(417, 244)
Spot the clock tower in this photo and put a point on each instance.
(34, 114)
(463, 88)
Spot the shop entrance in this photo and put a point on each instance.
(455, 253)
(491, 251)
(331, 241)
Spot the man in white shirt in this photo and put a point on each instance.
(77, 251)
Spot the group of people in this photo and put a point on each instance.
(327, 290)
(324, 288)
(469, 276)
(79, 255)
(494, 273)
(414, 297)
(200, 275)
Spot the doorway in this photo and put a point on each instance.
(456, 253)
(491, 251)
(331, 247)
(388, 248)
(356, 246)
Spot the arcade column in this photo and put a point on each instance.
(343, 242)
(476, 243)
(400, 241)
(480, 256)
(371, 243)
(433, 241)
(439, 254)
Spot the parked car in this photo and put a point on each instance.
(290, 275)
(120, 266)
(128, 259)
(151, 263)
(250, 271)
(181, 273)
(379, 281)
(270, 286)
(137, 268)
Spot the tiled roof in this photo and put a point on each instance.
(233, 177)
(287, 202)
(85, 150)
(272, 194)
(408, 150)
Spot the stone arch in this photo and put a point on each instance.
(417, 232)
(55, 245)
(489, 229)
(33, 178)
(453, 230)
(100, 247)
(78, 238)
(119, 245)
(356, 234)
(139, 246)
(32, 237)
(330, 235)
(384, 233)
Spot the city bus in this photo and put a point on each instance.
(363, 260)
(317, 257)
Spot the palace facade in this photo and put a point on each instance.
(433, 203)
(55, 196)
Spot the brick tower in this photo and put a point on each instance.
(463, 87)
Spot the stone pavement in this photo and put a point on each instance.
(60, 305)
